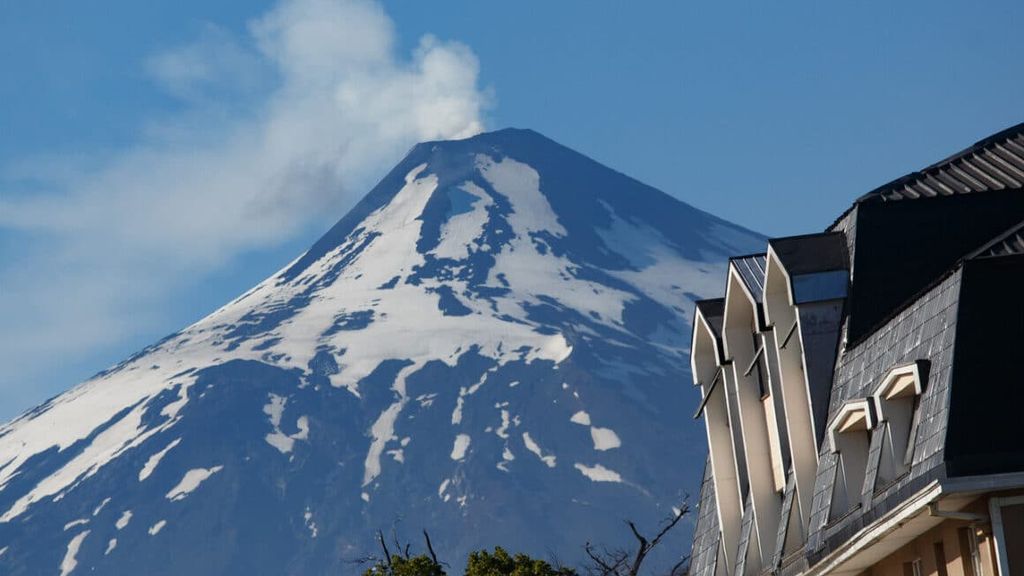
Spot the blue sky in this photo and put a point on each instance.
(134, 136)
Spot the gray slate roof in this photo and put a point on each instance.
(925, 330)
(704, 554)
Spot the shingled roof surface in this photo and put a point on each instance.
(751, 269)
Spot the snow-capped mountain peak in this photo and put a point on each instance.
(500, 325)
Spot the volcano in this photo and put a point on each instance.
(492, 345)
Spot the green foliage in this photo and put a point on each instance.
(413, 566)
(500, 563)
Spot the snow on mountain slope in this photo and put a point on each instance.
(492, 344)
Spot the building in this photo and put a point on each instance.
(863, 388)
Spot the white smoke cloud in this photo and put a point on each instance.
(280, 128)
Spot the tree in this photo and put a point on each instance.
(501, 563)
(401, 563)
(621, 562)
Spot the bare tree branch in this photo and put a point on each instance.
(597, 559)
(430, 547)
(384, 546)
(618, 562)
(671, 524)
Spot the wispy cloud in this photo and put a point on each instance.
(209, 68)
(278, 128)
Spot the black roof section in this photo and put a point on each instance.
(995, 163)
(713, 311)
(751, 269)
(812, 253)
(1008, 243)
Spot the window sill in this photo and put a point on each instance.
(835, 521)
(883, 489)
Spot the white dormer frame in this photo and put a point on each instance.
(900, 382)
(722, 432)
(854, 416)
(774, 262)
(703, 324)
(734, 278)
(787, 343)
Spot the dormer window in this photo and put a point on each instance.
(849, 440)
(896, 400)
